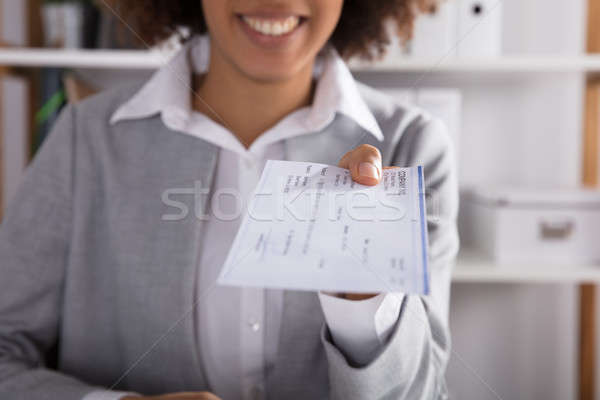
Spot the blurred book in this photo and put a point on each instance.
(72, 24)
(91, 25)
(63, 24)
(52, 100)
(69, 24)
(12, 29)
(84, 24)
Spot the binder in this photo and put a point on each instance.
(434, 34)
(479, 28)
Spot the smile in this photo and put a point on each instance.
(272, 26)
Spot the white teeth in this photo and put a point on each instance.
(272, 27)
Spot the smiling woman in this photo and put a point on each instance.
(128, 296)
(360, 32)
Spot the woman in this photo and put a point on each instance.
(104, 297)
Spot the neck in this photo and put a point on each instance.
(246, 106)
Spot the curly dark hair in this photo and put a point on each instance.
(361, 31)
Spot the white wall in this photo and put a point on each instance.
(519, 341)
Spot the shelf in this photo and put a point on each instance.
(473, 267)
(101, 59)
(141, 59)
(504, 64)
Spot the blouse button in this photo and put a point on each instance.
(255, 326)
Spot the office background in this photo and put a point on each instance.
(518, 105)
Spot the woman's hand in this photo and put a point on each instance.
(176, 396)
(364, 163)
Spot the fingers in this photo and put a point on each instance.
(208, 396)
(182, 396)
(364, 163)
(358, 297)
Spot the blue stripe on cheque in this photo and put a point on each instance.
(423, 230)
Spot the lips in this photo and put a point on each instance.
(272, 26)
(272, 30)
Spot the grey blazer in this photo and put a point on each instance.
(96, 291)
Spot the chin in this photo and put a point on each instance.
(267, 69)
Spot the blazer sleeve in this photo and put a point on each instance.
(34, 246)
(412, 364)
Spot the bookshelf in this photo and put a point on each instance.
(103, 59)
(591, 153)
(501, 65)
(474, 267)
(471, 267)
(152, 59)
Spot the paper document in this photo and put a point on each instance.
(309, 226)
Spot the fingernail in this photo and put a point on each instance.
(368, 170)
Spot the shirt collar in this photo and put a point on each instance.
(167, 91)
